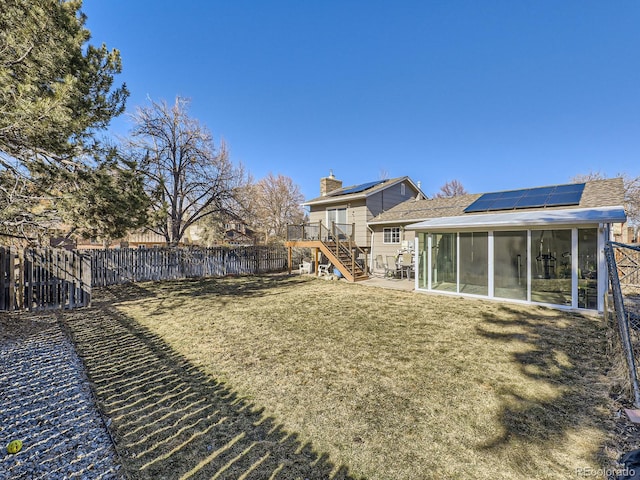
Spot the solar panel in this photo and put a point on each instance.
(504, 203)
(539, 191)
(512, 194)
(532, 201)
(480, 205)
(559, 195)
(359, 188)
(569, 198)
(574, 187)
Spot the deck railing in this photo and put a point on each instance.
(319, 231)
(338, 237)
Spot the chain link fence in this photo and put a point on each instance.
(623, 309)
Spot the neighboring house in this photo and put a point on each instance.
(352, 207)
(235, 233)
(239, 234)
(142, 238)
(540, 245)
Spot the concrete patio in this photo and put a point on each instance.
(390, 283)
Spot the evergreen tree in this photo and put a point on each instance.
(56, 93)
(106, 201)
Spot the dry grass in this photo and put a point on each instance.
(392, 385)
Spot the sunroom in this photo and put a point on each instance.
(548, 257)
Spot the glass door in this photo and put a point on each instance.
(510, 265)
(444, 262)
(551, 266)
(338, 216)
(588, 268)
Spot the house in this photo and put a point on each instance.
(233, 233)
(338, 220)
(239, 234)
(541, 245)
(351, 208)
(142, 238)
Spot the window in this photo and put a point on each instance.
(403, 189)
(557, 267)
(391, 235)
(551, 266)
(444, 262)
(474, 262)
(337, 215)
(510, 264)
(588, 268)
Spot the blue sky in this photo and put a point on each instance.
(496, 94)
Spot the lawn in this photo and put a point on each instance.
(387, 384)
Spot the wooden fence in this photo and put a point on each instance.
(43, 278)
(48, 278)
(628, 262)
(111, 267)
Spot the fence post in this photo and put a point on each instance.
(12, 278)
(5, 279)
(623, 321)
(85, 279)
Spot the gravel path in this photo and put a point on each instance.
(45, 401)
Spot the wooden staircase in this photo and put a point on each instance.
(345, 260)
(338, 246)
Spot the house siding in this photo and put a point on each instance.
(356, 213)
(359, 216)
(385, 249)
(361, 210)
(317, 215)
(389, 198)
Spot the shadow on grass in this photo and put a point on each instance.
(225, 290)
(168, 419)
(564, 353)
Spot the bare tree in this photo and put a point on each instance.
(452, 188)
(186, 176)
(631, 192)
(277, 202)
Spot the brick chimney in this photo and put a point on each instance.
(329, 184)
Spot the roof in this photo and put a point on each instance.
(363, 190)
(596, 194)
(526, 218)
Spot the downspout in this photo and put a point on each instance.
(372, 256)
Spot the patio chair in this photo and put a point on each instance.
(305, 267)
(392, 269)
(323, 269)
(406, 265)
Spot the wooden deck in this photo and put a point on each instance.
(335, 244)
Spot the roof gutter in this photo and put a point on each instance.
(568, 217)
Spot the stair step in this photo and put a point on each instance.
(344, 258)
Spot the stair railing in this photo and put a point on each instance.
(346, 242)
(338, 237)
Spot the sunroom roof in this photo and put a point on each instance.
(574, 216)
